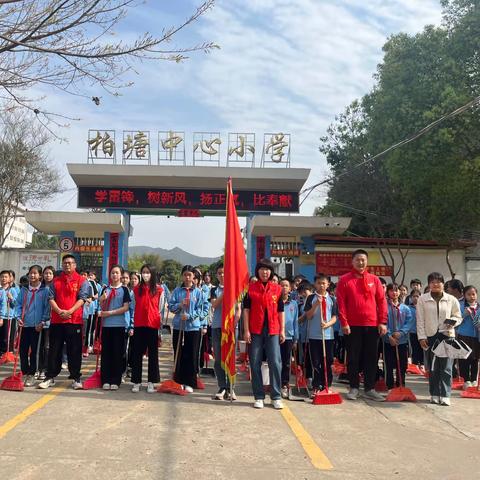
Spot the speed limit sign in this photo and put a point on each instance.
(66, 244)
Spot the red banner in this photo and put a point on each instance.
(336, 264)
(113, 258)
(260, 248)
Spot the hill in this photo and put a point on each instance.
(185, 258)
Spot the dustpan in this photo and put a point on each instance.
(95, 380)
(14, 383)
(413, 369)
(326, 396)
(401, 393)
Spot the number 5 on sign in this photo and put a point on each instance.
(66, 244)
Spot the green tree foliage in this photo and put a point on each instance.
(427, 188)
(135, 262)
(172, 273)
(41, 241)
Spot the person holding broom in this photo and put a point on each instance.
(362, 309)
(438, 313)
(68, 293)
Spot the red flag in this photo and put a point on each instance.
(236, 283)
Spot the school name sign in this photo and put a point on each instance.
(186, 199)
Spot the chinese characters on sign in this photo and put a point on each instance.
(205, 147)
(113, 258)
(339, 263)
(185, 199)
(260, 248)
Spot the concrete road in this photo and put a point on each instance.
(104, 435)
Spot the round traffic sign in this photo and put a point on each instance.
(66, 244)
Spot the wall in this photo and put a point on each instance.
(19, 260)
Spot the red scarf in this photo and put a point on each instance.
(366, 288)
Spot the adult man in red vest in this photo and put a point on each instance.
(68, 293)
(362, 308)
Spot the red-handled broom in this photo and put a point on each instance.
(14, 383)
(95, 380)
(473, 392)
(8, 356)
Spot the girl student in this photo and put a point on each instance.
(147, 297)
(47, 278)
(291, 334)
(416, 349)
(113, 313)
(186, 303)
(399, 324)
(33, 309)
(321, 313)
(468, 332)
(127, 367)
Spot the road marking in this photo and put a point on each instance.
(317, 457)
(30, 410)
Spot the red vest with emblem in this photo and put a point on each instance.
(264, 298)
(66, 291)
(147, 311)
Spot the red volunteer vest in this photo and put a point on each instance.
(264, 298)
(147, 310)
(66, 291)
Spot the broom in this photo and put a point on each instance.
(14, 383)
(8, 356)
(401, 393)
(95, 380)
(473, 392)
(171, 386)
(326, 396)
(458, 381)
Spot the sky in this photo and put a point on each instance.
(284, 66)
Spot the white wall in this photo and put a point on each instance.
(19, 260)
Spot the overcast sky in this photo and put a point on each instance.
(284, 65)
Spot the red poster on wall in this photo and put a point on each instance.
(339, 263)
(113, 258)
(260, 248)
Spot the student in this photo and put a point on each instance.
(433, 309)
(468, 332)
(186, 303)
(47, 278)
(114, 321)
(134, 279)
(416, 349)
(399, 324)
(8, 294)
(291, 335)
(415, 285)
(321, 312)
(147, 297)
(68, 293)
(129, 320)
(403, 289)
(264, 329)
(297, 280)
(33, 309)
(204, 313)
(305, 289)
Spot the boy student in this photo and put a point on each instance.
(321, 312)
(68, 293)
(399, 324)
(291, 334)
(304, 290)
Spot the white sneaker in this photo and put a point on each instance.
(90, 350)
(258, 404)
(76, 385)
(64, 366)
(467, 385)
(475, 384)
(106, 386)
(284, 392)
(136, 387)
(277, 404)
(150, 387)
(374, 395)
(445, 401)
(113, 387)
(29, 381)
(353, 394)
(220, 395)
(230, 396)
(435, 400)
(188, 388)
(49, 382)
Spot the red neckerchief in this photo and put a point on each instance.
(472, 311)
(111, 296)
(323, 304)
(366, 288)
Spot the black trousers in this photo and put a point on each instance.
(113, 355)
(44, 347)
(417, 352)
(71, 334)
(31, 344)
(5, 337)
(186, 356)
(89, 331)
(316, 354)
(469, 366)
(205, 346)
(286, 353)
(362, 351)
(145, 339)
(391, 364)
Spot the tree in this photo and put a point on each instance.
(41, 241)
(171, 271)
(135, 262)
(26, 175)
(428, 188)
(66, 44)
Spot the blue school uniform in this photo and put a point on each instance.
(7, 305)
(315, 330)
(129, 314)
(116, 297)
(194, 311)
(399, 320)
(291, 320)
(205, 311)
(34, 305)
(470, 315)
(413, 311)
(217, 312)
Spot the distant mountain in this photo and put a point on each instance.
(176, 253)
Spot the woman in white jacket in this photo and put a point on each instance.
(433, 309)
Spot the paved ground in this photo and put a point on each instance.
(96, 434)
